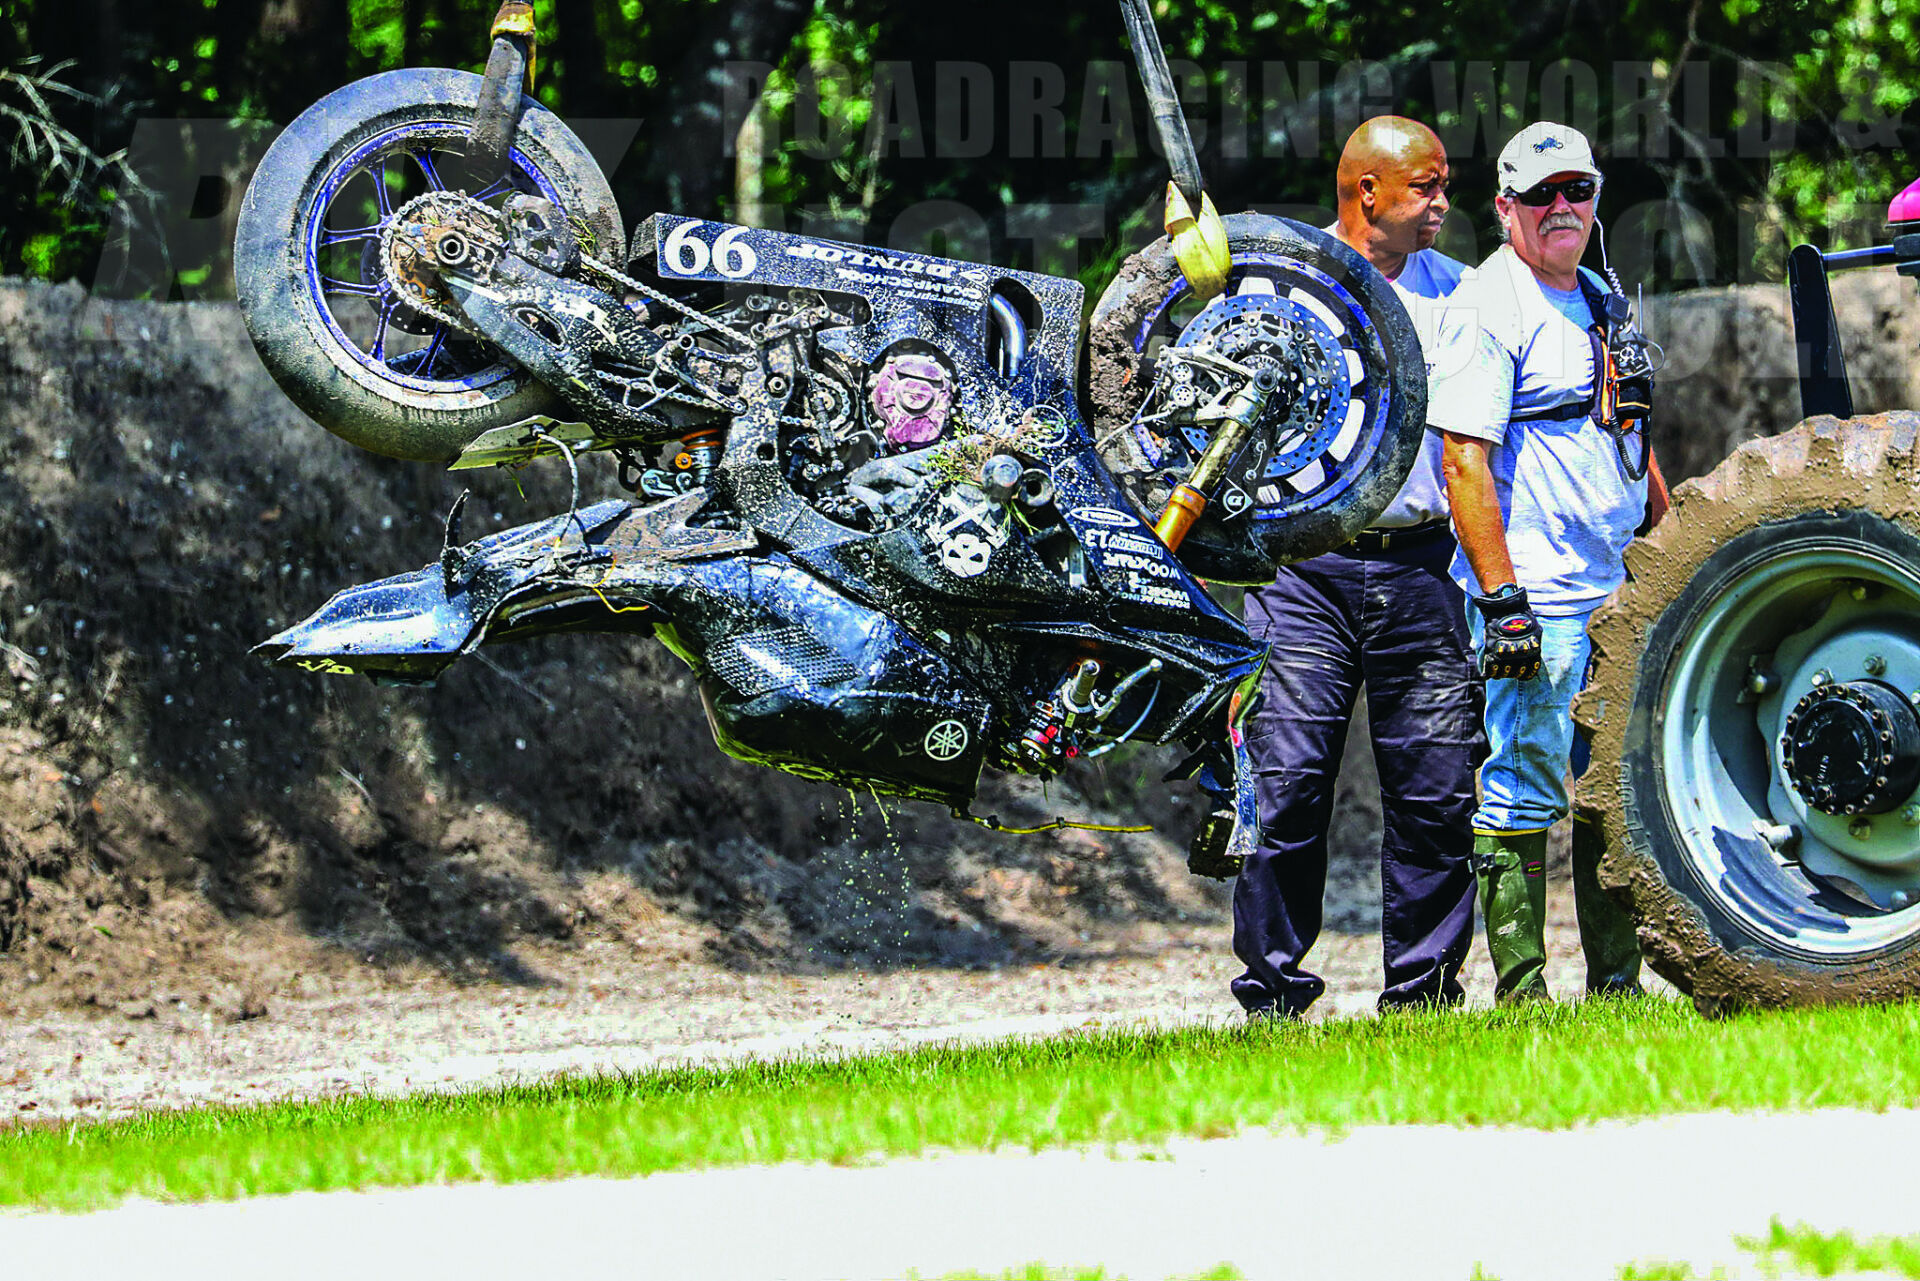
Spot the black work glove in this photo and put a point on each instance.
(1511, 649)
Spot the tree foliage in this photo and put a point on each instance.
(1727, 127)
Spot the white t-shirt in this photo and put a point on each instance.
(1428, 275)
(1569, 507)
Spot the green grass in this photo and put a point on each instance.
(1665, 1270)
(1041, 1272)
(1546, 1066)
(1827, 1254)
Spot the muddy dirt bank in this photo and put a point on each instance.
(181, 827)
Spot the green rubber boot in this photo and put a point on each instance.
(1606, 929)
(1512, 867)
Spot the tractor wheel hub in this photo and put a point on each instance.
(1852, 748)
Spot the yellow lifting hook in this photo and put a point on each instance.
(1199, 243)
(516, 19)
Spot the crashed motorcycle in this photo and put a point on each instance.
(880, 505)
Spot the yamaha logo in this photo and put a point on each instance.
(946, 740)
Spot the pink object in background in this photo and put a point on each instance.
(1906, 205)
(912, 395)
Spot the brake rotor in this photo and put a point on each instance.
(1301, 419)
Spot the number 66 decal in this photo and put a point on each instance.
(688, 254)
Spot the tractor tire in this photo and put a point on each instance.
(1781, 593)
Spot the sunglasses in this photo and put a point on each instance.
(1541, 194)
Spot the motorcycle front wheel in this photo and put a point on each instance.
(329, 328)
(1327, 475)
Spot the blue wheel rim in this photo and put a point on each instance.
(1341, 473)
(441, 361)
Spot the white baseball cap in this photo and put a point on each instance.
(1542, 150)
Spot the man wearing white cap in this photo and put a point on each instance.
(1546, 492)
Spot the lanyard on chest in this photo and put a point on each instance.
(1624, 362)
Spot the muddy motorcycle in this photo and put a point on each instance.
(868, 509)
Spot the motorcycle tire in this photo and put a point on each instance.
(1788, 578)
(358, 361)
(1147, 301)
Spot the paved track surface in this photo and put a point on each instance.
(1406, 1202)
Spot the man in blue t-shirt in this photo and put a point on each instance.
(1545, 500)
(1381, 611)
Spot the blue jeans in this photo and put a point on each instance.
(1530, 739)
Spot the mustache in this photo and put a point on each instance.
(1554, 222)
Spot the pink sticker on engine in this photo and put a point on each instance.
(913, 396)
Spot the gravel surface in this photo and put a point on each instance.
(604, 1007)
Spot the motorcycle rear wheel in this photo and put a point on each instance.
(347, 351)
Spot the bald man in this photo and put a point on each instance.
(1382, 612)
(1392, 185)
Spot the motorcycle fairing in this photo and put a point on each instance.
(411, 627)
(792, 673)
(797, 676)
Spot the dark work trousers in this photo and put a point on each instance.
(1396, 622)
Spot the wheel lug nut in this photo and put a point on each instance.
(1876, 665)
(1911, 816)
(1860, 829)
(1821, 677)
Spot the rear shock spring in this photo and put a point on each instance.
(700, 453)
